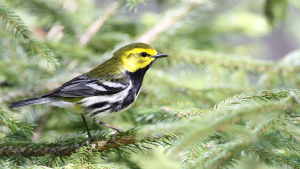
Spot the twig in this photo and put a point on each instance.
(174, 16)
(95, 26)
(294, 97)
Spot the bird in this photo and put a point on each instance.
(110, 88)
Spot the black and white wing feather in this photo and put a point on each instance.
(83, 86)
(99, 97)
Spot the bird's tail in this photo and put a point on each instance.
(37, 100)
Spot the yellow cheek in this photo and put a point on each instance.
(145, 62)
(133, 64)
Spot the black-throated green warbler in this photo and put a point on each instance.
(109, 88)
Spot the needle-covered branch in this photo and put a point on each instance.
(248, 119)
(206, 92)
(54, 11)
(234, 62)
(14, 23)
(69, 144)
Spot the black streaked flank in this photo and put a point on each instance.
(100, 111)
(97, 105)
(136, 79)
(117, 106)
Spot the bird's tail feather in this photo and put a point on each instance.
(37, 100)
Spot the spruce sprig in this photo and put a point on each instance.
(12, 22)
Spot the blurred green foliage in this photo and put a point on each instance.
(211, 104)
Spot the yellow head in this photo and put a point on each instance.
(129, 58)
(137, 56)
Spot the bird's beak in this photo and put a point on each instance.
(160, 55)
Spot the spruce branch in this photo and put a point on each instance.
(232, 148)
(53, 11)
(275, 94)
(18, 28)
(244, 107)
(234, 62)
(67, 146)
(265, 154)
(12, 123)
(229, 119)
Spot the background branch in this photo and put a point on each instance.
(111, 10)
(169, 19)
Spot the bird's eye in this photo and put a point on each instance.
(144, 54)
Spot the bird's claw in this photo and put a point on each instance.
(87, 141)
(113, 136)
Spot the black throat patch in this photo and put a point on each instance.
(137, 78)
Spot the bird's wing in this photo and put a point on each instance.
(83, 86)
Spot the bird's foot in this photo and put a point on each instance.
(113, 136)
(90, 139)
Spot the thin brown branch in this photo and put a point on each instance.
(111, 10)
(170, 19)
(293, 95)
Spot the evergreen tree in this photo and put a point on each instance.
(209, 105)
